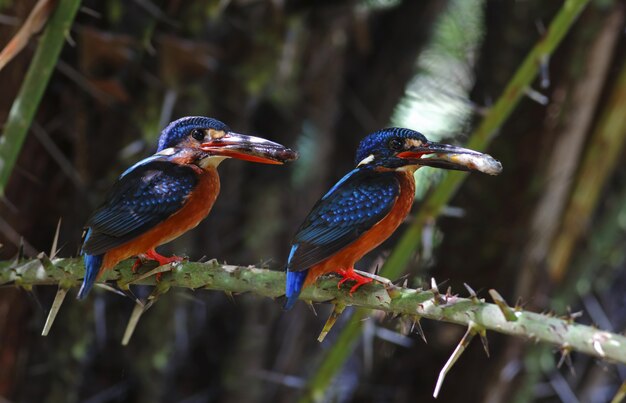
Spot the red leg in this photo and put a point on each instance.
(153, 255)
(349, 274)
(136, 265)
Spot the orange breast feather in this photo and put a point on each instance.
(348, 256)
(195, 209)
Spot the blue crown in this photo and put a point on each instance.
(179, 129)
(377, 143)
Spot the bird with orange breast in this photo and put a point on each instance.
(368, 204)
(165, 195)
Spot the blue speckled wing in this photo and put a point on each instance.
(140, 199)
(354, 205)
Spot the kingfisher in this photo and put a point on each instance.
(368, 204)
(167, 194)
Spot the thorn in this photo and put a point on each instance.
(472, 293)
(437, 298)
(311, 307)
(571, 317)
(337, 310)
(55, 241)
(460, 348)
(483, 338)
(404, 280)
(519, 305)
(566, 357)
(231, 297)
(138, 311)
(45, 261)
(54, 309)
(509, 315)
(382, 280)
(123, 293)
(417, 325)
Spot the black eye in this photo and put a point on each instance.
(396, 144)
(197, 134)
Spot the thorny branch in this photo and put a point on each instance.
(472, 312)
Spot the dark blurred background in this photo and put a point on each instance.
(317, 76)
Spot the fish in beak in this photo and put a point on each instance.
(249, 148)
(447, 156)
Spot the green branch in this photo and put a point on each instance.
(37, 77)
(471, 312)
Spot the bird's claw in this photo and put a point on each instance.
(162, 260)
(351, 275)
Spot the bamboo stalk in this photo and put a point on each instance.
(37, 77)
(600, 161)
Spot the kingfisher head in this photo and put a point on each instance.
(400, 148)
(207, 141)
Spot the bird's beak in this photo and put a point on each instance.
(249, 148)
(452, 157)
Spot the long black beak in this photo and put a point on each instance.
(249, 148)
(447, 156)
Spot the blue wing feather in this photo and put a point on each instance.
(354, 205)
(141, 198)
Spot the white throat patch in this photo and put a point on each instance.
(212, 161)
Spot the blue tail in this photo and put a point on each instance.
(295, 280)
(92, 267)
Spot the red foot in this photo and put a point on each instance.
(349, 274)
(153, 255)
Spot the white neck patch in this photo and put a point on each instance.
(167, 151)
(366, 160)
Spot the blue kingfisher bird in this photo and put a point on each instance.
(165, 195)
(368, 204)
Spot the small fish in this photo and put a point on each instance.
(484, 163)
